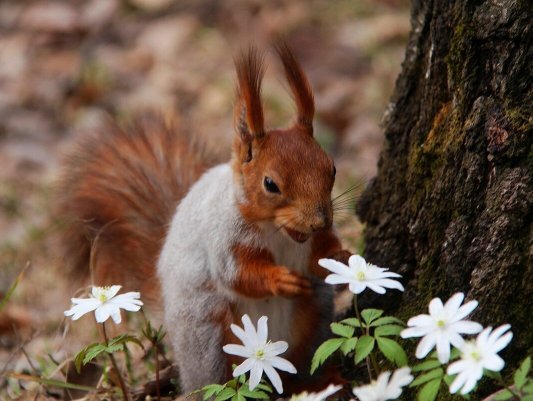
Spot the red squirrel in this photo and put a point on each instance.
(240, 237)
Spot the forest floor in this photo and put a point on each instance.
(67, 66)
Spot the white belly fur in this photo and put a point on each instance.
(279, 310)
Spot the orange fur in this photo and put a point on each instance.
(259, 277)
(118, 193)
(300, 87)
(326, 245)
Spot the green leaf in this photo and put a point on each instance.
(325, 350)
(387, 320)
(426, 365)
(342, 330)
(369, 315)
(240, 397)
(503, 395)
(348, 345)
(265, 387)
(528, 388)
(254, 395)
(93, 352)
(114, 348)
(388, 330)
(392, 351)
(520, 375)
(528, 397)
(212, 389)
(431, 375)
(363, 347)
(88, 354)
(225, 394)
(124, 339)
(429, 391)
(352, 321)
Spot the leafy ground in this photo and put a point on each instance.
(66, 66)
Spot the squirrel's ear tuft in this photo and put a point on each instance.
(248, 113)
(300, 87)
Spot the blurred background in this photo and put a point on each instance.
(67, 66)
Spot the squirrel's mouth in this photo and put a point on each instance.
(297, 235)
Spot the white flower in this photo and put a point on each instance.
(360, 275)
(261, 355)
(478, 355)
(105, 302)
(382, 389)
(442, 326)
(320, 396)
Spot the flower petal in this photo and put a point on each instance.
(494, 363)
(357, 287)
(414, 332)
(249, 328)
(279, 347)
(357, 262)
(282, 364)
(239, 350)
(244, 367)
(458, 382)
(81, 308)
(262, 329)
(335, 267)
(470, 383)
(103, 312)
(426, 344)
(274, 378)
(375, 287)
(242, 335)
(336, 279)
(388, 283)
(117, 318)
(255, 374)
(421, 320)
(435, 307)
(443, 348)
(467, 327)
(465, 310)
(452, 305)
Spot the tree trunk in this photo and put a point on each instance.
(451, 207)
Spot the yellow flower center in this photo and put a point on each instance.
(441, 323)
(475, 356)
(360, 276)
(260, 354)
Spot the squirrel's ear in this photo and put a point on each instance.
(248, 113)
(300, 87)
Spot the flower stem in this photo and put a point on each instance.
(115, 366)
(510, 389)
(368, 360)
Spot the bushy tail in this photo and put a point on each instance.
(117, 196)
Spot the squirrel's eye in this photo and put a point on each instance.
(334, 171)
(271, 186)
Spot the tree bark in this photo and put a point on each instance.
(451, 207)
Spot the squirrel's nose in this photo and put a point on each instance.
(322, 220)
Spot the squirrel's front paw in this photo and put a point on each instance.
(287, 283)
(341, 256)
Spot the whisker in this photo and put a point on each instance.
(350, 189)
